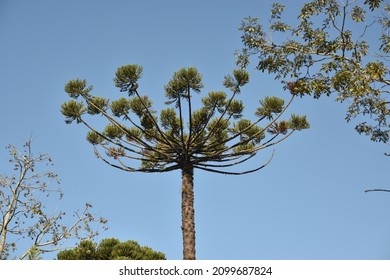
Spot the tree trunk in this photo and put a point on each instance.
(2, 241)
(8, 215)
(188, 212)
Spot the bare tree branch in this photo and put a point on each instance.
(377, 190)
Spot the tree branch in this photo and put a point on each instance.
(377, 190)
(167, 142)
(235, 173)
(130, 169)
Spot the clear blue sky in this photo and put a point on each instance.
(309, 203)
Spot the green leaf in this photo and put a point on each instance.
(97, 105)
(229, 83)
(127, 76)
(235, 108)
(147, 122)
(94, 138)
(169, 119)
(270, 106)
(248, 131)
(299, 87)
(116, 152)
(373, 4)
(341, 80)
(277, 10)
(113, 131)
(245, 147)
(120, 107)
(77, 87)
(358, 14)
(133, 134)
(280, 26)
(190, 77)
(140, 106)
(73, 110)
(199, 119)
(180, 84)
(241, 76)
(298, 122)
(279, 127)
(218, 132)
(215, 99)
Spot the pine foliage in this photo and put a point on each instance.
(211, 138)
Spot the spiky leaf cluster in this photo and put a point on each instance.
(73, 110)
(127, 76)
(211, 137)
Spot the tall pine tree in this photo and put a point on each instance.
(211, 138)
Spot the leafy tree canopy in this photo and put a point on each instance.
(110, 249)
(331, 50)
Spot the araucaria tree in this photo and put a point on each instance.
(210, 138)
(336, 47)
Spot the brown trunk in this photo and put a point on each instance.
(188, 212)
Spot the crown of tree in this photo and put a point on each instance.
(209, 138)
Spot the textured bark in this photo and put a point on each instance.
(188, 213)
